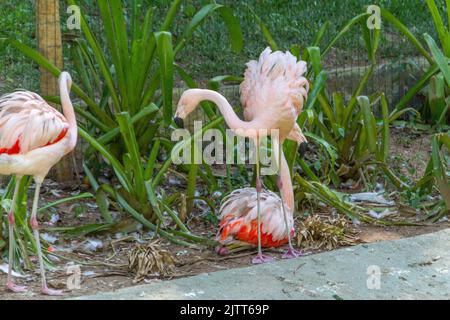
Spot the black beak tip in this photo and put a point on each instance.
(179, 122)
(302, 149)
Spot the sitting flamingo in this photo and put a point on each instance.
(272, 96)
(33, 138)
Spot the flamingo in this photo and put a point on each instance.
(272, 95)
(33, 138)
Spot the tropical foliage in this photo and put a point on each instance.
(436, 80)
(124, 88)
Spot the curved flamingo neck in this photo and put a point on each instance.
(245, 128)
(240, 126)
(67, 109)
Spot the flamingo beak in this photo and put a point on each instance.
(179, 122)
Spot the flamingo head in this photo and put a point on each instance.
(188, 102)
(65, 77)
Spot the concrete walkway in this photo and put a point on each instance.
(413, 268)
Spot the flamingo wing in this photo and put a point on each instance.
(27, 122)
(276, 79)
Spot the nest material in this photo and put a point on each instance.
(150, 259)
(326, 233)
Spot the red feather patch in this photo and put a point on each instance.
(15, 149)
(248, 232)
(59, 138)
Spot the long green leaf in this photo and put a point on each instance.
(81, 196)
(173, 10)
(408, 34)
(369, 123)
(443, 33)
(165, 53)
(318, 86)
(385, 135)
(265, 30)
(321, 33)
(129, 136)
(353, 101)
(100, 57)
(115, 164)
(357, 19)
(439, 57)
(234, 29)
(44, 63)
(420, 84)
(178, 147)
(439, 172)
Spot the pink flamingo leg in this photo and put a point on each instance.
(260, 257)
(35, 226)
(291, 253)
(9, 282)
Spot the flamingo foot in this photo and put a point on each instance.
(292, 253)
(51, 292)
(15, 288)
(222, 251)
(261, 258)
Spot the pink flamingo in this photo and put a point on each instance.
(272, 96)
(33, 138)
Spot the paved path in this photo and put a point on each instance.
(413, 268)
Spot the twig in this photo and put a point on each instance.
(95, 263)
(113, 242)
(111, 274)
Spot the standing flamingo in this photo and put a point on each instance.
(33, 138)
(272, 96)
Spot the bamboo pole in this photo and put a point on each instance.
(50, 46)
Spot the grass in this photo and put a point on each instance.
(297, 22)
(17, 19)
(209, 54)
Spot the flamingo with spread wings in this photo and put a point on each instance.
(33, 138)
(272, 95)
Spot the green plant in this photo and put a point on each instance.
(24, 245)
(437, 77)
(437, 97)
(435, 178)
(350, 135)
(22, 249)
(348, 132)
(319, 111)
(126, 84)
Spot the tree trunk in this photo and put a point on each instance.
(50, 46)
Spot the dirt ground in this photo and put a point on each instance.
(103, 259)
(104, 273)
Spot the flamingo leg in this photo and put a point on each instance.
(9, 282)
(35, 226)
(291, 253)
(260, 257)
